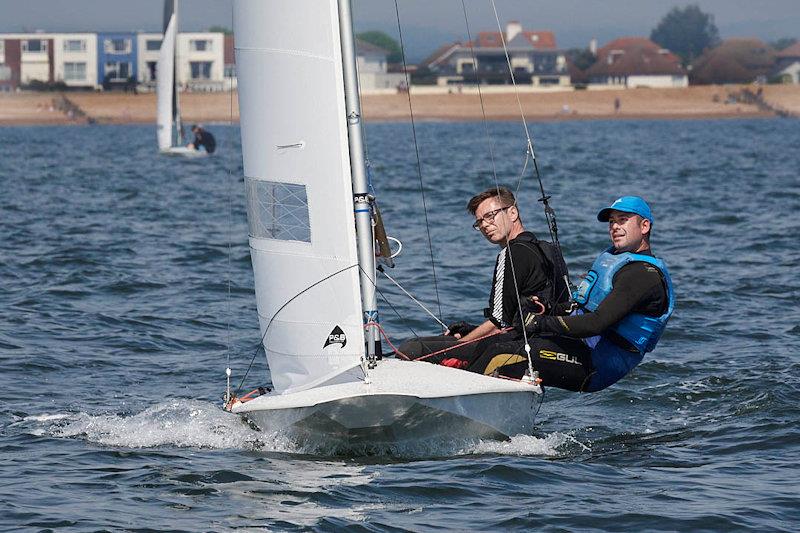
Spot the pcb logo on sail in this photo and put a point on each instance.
(336, 336)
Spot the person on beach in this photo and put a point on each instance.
(202, 139)
(619, 312)
(525, 267)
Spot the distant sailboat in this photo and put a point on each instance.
(311, 240)
(168, 120)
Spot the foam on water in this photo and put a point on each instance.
(179, 423)
(197, 424)
(551, 445)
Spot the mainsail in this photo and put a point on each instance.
(166, 93)
(299, 191)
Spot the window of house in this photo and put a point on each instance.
(74, 71)
(117, 70)
(230, 71)
(153, 45)
(200, 45)
(201, 70)
(34, 45)
(75, 45)
(118, 46)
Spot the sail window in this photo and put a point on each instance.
(278, 210)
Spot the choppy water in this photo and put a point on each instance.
(126, 283)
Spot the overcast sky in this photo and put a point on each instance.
(426, 23)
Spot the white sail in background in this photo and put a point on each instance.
(166, 106)
(300, 196)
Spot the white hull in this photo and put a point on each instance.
(184, 152)
(403, 402)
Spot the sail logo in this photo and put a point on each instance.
(336, 336)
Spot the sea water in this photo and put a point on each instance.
(127, 290)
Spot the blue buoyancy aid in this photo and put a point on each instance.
(640, 330)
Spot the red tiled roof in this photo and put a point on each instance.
(543, 40)
(439, 53)
(635, 55)
(792, 51)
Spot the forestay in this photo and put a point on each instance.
(166, 107)
(299, 193)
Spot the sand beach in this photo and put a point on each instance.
(28, 108)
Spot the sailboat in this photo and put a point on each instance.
(313, 251)
(169, 129)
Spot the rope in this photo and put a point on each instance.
(426, 356)
(419, 164)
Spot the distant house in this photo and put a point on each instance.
(373, 68)
(10, 63)
(787, 65)
(229, 58)
(149, 46)
(637, 62)
(533, 55)
(739, 60)
(75, 59)
(45, 58)
(200, 60)
(116, 60)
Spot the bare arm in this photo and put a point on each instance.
(484, 329)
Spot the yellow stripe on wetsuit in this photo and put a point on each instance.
(503, 359)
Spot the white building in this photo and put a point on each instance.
(200, 63)
(75, 59)
(148, 45)
(35, 53)
(372, 68)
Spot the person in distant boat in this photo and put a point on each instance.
(619, 312)
(202, 138)
(525, 267)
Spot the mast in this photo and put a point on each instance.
(361, 200)
(176, 109)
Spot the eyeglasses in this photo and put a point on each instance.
(488, 217)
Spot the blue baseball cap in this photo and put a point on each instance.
(627, 204)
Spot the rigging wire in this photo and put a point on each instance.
(281, 308)
(491, 154)
(549, 213)
(390, 278)
(419, 164)
(229, 296)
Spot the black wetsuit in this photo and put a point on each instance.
(562, 359)
(206, 140)
(530, 270)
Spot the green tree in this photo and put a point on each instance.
(221, 29)
(582, 58)
(782, 43)
(687, 32)
(381, 39)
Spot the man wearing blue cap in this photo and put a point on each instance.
(618, 314)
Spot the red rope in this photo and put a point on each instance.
(445, 350)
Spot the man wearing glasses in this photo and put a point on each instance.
(622, 307)
(525, 267)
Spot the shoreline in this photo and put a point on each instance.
(691, 103)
